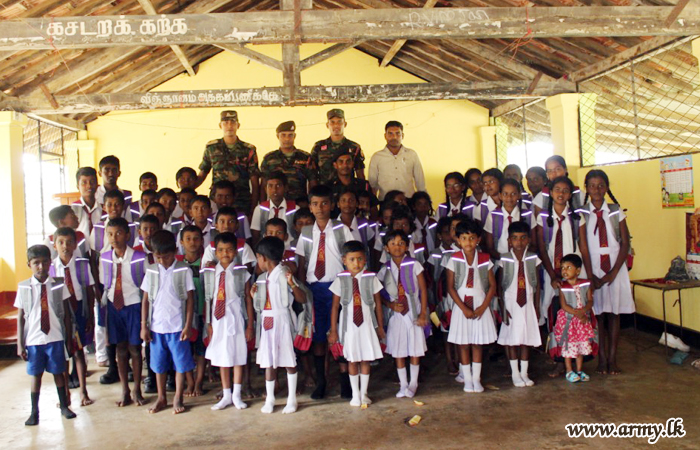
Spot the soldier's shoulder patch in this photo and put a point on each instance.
(212, 142)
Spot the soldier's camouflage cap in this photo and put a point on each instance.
(229, 115)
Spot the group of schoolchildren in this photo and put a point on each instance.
(331, 277)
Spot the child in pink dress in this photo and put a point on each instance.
(575, 327)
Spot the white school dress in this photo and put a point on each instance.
(276, 348)
(615, 297)
(360, 343)
(228, 346)
(522, 328)
(403, 337)
(502, 240)
(465, 331)
(567, 246)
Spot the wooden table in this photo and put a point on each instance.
(664, 287)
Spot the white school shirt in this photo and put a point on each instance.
(502, 240)
(84, 213)
(61, 272)
(398, 172)
(512, 289)
(540, 199)
(593, 241)
(274, 289)
(422, 233)
(356, 232)
(100, 199)
(567, 237)
(167, 306)
(336, 287)
(132, 294)
(477, 291)
(32, 323)
(282, 214)
(334, 260)
(417, 270)
(476, 210)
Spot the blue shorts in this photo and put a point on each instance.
(81, 325)
(169, 352)
(124, 325)
(323, 302)
(49, 358)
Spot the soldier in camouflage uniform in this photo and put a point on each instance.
(233, 160)
(325, 151)
(294, 163)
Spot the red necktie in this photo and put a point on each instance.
(320, 270)
(468, 299)
(602, 230)
(45, 322)
(402, 300)
(357, 303)
(558, 246)
(69, 284)
(220, 307)
(522, 292)
(87, 211)
(118, 293)
(455, 212)
(277, 210)
(268, 322)
(510, 220)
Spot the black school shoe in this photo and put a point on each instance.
(170, 384)
(110, 377)
(149, 387)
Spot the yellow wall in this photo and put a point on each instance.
(658, 235)
(445, 133)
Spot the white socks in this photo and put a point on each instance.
(413, 386)
(292, 395)
(460, 376)
(403, 380)
(237, 400)
(476, 377)
(364, 384)
(356, 396)
(523, 373)
(467, 375)
(270, 398)
(226, 399)
(517, 380)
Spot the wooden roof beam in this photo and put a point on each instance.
(344, 26)
(396, 46)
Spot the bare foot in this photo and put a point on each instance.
(160, 404)
(614, 370)
(189, 392)
(138, 398)
(557, 372)
(85, 400)
(178, 407)
(125, 401)
(309, 381)
(601, 369)
(198, 391)
(248, 393)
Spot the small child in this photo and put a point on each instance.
(191, 245)
(510, 211)
(407, 299)
(320, 261)
(227, 221)
(455, 196)
(228, 318)
(472, 285)
(110, 172)
(113, 207)
(148, 226)
(519, 289)
(167, 309)
(273, 294)
(200, 210)
(88, 209)
(168, 198)
(64, 216)
(121, 273)
(302, 218)
(361, 325)
(184, 203)
(223, 192)
(148, 181)
(555, 167)
(575, 330)
(77, 276)
(276, 227)
(276, 206)
(138, 209)
(41, 324)
(426, 229)
(359, 226)
(402, 219)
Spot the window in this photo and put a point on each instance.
(524, 136)
(44, 175)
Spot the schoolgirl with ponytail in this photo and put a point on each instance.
(555, 167)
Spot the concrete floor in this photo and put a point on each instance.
(649, 391)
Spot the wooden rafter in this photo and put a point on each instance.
(344, 26)
(252, 55)
(151, 10)
(396, 46)
(279, 96)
